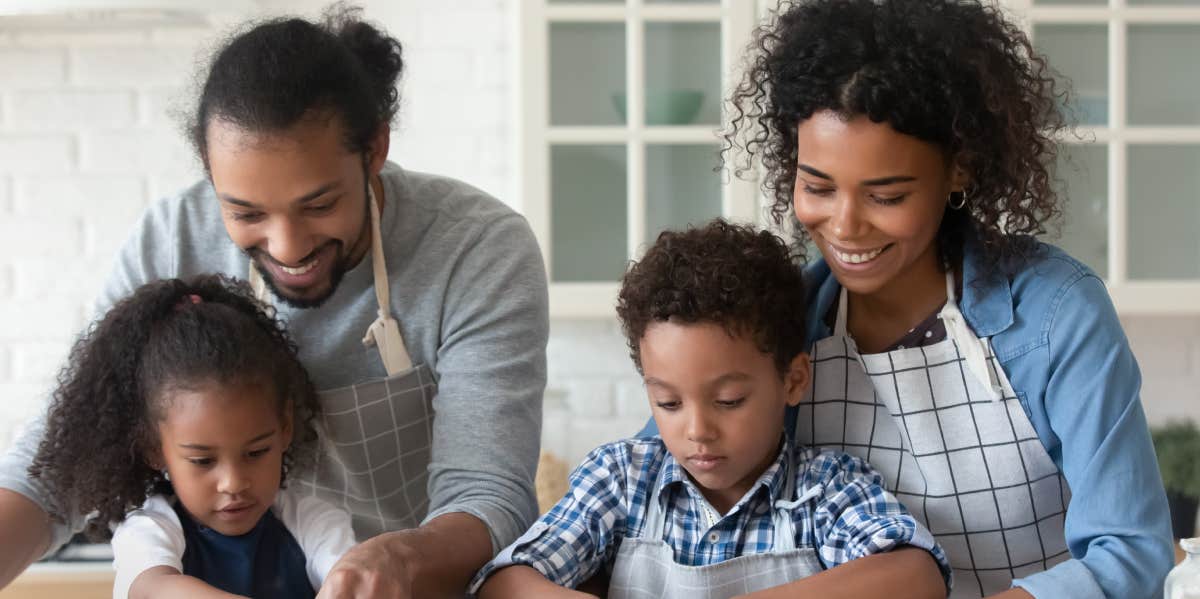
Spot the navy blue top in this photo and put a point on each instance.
(266, 562)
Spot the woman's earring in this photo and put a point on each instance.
(962, 199)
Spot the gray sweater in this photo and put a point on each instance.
(468, 288)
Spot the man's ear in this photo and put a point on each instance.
(798, 378)
(377, 149)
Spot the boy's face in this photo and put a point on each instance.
(719, 403)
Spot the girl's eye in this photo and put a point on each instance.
(731, 403)
(259, 452)
(201, 462)
(817, 191)
(889, 201)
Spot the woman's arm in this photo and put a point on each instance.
(903, 573)
(525, 582)
(165, 582)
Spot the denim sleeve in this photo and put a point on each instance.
(1117, 524)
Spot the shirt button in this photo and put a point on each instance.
(713, 537)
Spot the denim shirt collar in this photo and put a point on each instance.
(987, 304)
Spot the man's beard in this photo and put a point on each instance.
(336, 272)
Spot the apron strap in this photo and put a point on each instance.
(384, 333)
(655, 520)
(970, 346)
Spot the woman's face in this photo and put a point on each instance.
(871, 198)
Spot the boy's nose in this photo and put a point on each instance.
(700, 428)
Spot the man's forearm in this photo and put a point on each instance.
(904, 573)
(444, 554)
(26, 531)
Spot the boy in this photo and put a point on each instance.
(721, 503)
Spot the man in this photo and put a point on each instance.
(418, 303)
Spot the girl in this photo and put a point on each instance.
(188, 400)
(984, 373)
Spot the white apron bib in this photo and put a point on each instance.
(375, 436)
(645, 566)
(943, 426)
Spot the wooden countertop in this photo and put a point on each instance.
(63, 580)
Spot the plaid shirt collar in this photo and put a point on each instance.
(773, 480)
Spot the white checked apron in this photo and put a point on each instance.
(375, 436)
(943, 426)
(645, 566)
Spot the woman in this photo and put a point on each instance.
(983, 373)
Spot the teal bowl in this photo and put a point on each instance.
(674, 107)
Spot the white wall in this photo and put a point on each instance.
(86, 143)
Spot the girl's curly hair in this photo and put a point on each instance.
(735, 276)
(102, 425)
(955, 73)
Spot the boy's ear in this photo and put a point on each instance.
(797, 379)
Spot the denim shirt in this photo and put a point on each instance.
(1055, 331)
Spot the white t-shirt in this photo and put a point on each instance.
(153, 536)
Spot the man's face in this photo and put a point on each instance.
(295, 202)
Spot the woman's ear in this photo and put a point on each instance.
(798, 378)
(286, 423)
(960, 178)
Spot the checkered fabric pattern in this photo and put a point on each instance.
(849, 516)
(972, 470)
(376, 446)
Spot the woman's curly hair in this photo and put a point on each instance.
(735, 276)
(955, 73)
(102, 426)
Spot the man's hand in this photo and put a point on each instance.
(435, 560)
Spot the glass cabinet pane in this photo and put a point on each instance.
(1079, 53)
(1163, 2)
(1164, 211)
(1068, 2)
(1081, 175)
(681, 187)
(683, 73)
(683, 1)
(587, 73)
(587, 212)
(1164, 88)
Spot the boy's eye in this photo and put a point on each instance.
(246, 216)
(731, 403)
(668, 405)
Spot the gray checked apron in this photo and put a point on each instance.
(943, 426)
(645, 566)
(375, 436)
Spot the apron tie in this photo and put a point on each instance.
(971, 349)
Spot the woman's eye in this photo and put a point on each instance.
(888, 201)
(817, 191)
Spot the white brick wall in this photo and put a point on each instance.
(87, 140)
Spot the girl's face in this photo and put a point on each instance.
(871, 198)
(223, 448)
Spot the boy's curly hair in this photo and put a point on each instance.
(102, 425)
(735, 276)
(955, 73)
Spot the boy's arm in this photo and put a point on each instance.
(574, 539)
(903, 573)
(165, 582)
(523, 581)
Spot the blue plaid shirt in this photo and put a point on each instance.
(849, 514)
